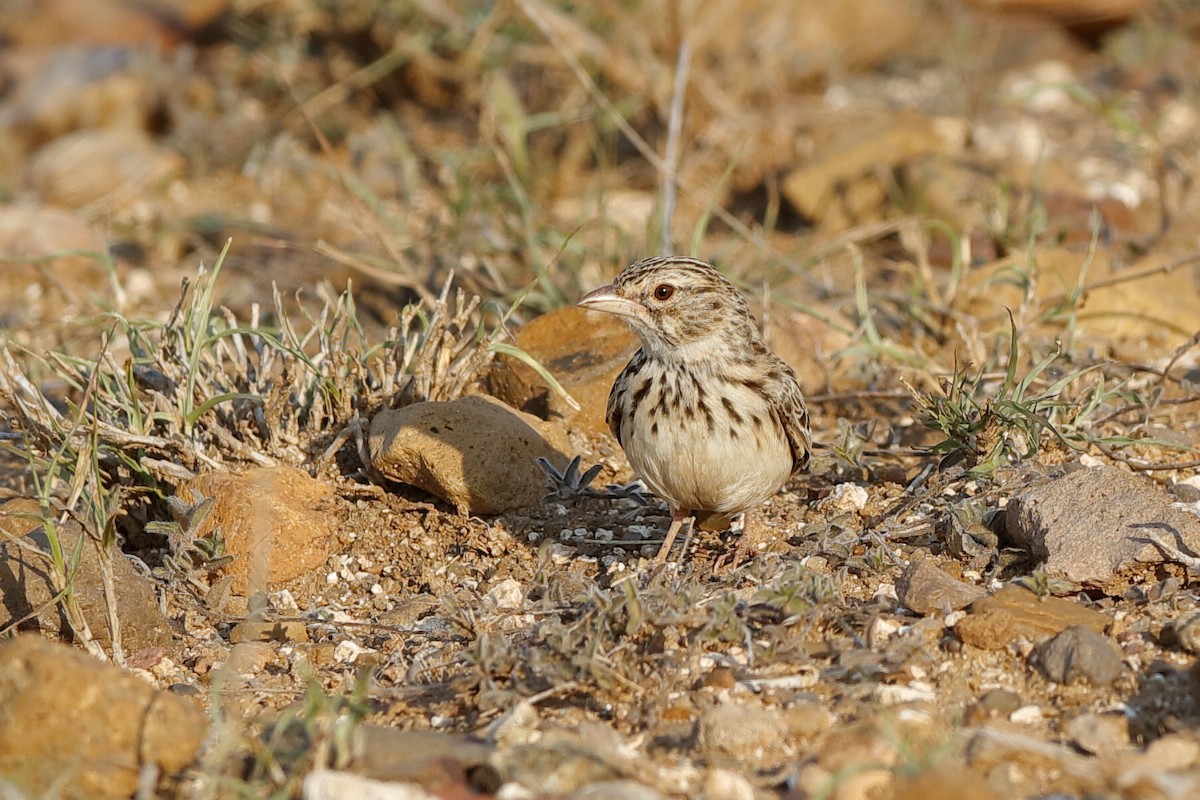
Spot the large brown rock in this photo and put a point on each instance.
(476, 453)
(583, 350)
(838, 186)
(72, 726)
(277, 522)
(26, 587)
(41, 248)
(1091, 524)
(108, 167)
(1014, 611)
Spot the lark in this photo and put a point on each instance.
(710, 419)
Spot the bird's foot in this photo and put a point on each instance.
(747, 545)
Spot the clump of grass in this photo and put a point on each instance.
(319, 731)
(193, 561)
(205, 391)
(984, 432)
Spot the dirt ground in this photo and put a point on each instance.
(227, 228)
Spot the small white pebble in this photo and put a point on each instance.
(514, 791)
(816, 563)
(376, 589)
(347, 652)
(881, 630)
(603, 535)
(507, 594)
(331, 578)
(953, 618)
(1089, 460)
(844, 498)
(894, 694)
(1026, 715)
(283, 600)
(561, 554)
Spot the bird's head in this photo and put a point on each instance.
(679, 307)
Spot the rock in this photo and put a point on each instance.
(838, 187)
(1079, 653)
(722, 784)
(926, 589)
(476, 453)
(945, 781)
(72, 726)
(1091, 523)
(391, 754)
(1087, 18)
(160, 22)
(994, 704)
(277, 522)
(992, 747)
(1099, 734)
(1186, 630)
(742, 736)
(107, 167)
(1130, 314)
(328, 784)
(61, 89)
(616, 790)
(29, 236)
(268, 630)
(845, 498)
(26, 586)
(564, 761)
(1014, 611)
(804, 721)
(808, 344)
(584, 351)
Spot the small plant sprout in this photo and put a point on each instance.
(571, 483)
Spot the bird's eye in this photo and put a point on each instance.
(663, 291)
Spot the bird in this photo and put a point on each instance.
(710, 419)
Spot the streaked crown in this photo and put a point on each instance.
(683, 301)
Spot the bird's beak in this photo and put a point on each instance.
(607, 300)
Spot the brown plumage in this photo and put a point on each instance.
(711, 420)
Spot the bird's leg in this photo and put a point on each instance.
(678, 517)
(747, 543)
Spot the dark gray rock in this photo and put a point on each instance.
(1079, 654)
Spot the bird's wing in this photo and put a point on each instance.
(788, 402)
(616, 397)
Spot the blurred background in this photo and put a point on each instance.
(948, 159)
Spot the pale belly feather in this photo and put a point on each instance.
(724, 470)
